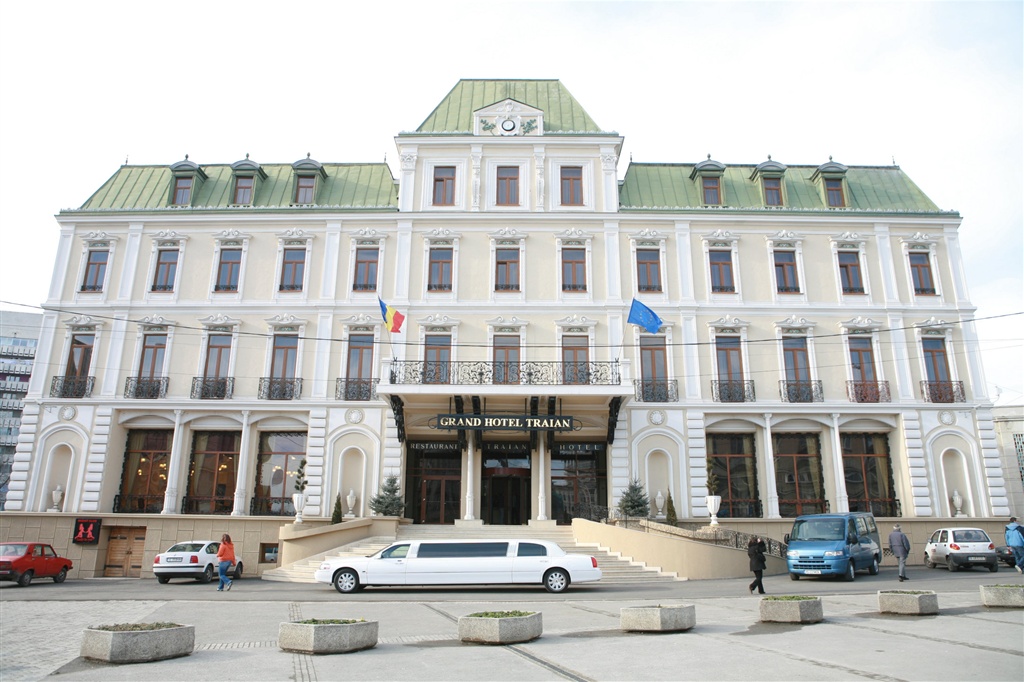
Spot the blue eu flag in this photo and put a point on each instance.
(644, 316)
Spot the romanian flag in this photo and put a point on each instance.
(392, 318)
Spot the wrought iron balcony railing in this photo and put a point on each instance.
(498, 373)
(868, 391)
(853, 290)
(364, 286)
(943, 391)
(279, 389)
(356, 389)
(212, 388)
(71, 387)
(138, 504)
(723, 289)
(145, 388)
(732, 391)
(801, 391)
(656, 390)
(508, 286)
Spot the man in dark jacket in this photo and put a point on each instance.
(755, 550)
(899, 545)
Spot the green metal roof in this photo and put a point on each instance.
(359, 186)
(656, 186)
(562, 113)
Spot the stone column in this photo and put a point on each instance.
(470, 475)
(772, 510)
(842, 498)
(171, 497)
(542, 479)
(242, 477)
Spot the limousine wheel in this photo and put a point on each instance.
(346, 581)
(556, 580)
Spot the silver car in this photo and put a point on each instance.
(960, 547)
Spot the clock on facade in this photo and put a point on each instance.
(508, 125)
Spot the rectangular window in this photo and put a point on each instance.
(862, 360)
(733, 465)
(849, 272)
(243, 189)
(280, 456)
(80, 356)
(575, 360)
(868, 473)
(228, 270)
(506, 270)
(218, 356)
(785, 272)
(574, 270)
(654, 369)
(440, 270)
(366, 270)
(182, 191)
(729, 358)
(834, 193)
(144, 480)
(437, 358)
(799, 479)
(95, 270)
(444, 186)
(721, 272)
(358, 384)
(151, 364)
(572, 185)
(305, 187)
(166, 269)
(711, 188)
(794, 351)
(293, 268)
(921, 271)
(212, 472)
(772, 191)
(286, 348)
(506, 359)
(648, 269)
(508, 186)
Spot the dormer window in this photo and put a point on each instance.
(307, 172)
(772, 191)
(243, 189)
(831, 177)
(187, 179)
(770, 174)
(305, 188)
(248, 176)
(708, 176)
(182, 191)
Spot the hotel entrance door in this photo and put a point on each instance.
(505, 499)
(439, 499)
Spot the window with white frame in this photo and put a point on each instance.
(721, 258)
(294, 249)
(573, 249)
(920, 252)
(229, 256)
(785, 252)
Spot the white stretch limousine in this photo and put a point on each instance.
(461, 562)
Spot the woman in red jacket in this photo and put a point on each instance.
(226, 557)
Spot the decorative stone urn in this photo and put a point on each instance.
(350, 500)
(138, 646)
(326, 637)
(908, 602)
(495, 629)
(714, 504)
(1011, 596)
(659, 502)
(298, 501)
(673, 618)
(795, 609)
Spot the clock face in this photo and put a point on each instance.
(508, 125)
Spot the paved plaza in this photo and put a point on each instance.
(236, 639)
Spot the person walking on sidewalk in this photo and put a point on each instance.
(225, 558)
(899, 545)
(1014, 535)
(756, 550)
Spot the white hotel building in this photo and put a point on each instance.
(212, 325)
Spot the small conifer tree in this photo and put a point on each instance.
(388, 502)
(336, 514)
(634, 501)
(670, 511)
(300, 477)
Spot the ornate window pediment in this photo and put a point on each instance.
(508, 118)
(512, 325)
(83, 323)
(728, 324)
(795, 325)
(285, 323)
(860, 325)
(219, 322)
(784, 239)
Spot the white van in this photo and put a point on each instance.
(461, 562)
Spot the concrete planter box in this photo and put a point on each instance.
(791, 610)
(507, 630)
(1011, 596)
(909, 603)
(327, 638)
(657, 618)
(138, 646)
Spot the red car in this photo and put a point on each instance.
(22, 561)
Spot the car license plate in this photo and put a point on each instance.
(812, 571)
(172, 559)
(976, 558)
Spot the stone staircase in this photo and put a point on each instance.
(615, 570)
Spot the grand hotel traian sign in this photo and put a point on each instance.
(504, 422)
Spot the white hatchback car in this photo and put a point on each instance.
(959, 547)
(195, 559)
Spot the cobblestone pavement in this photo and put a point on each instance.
(237, 640)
